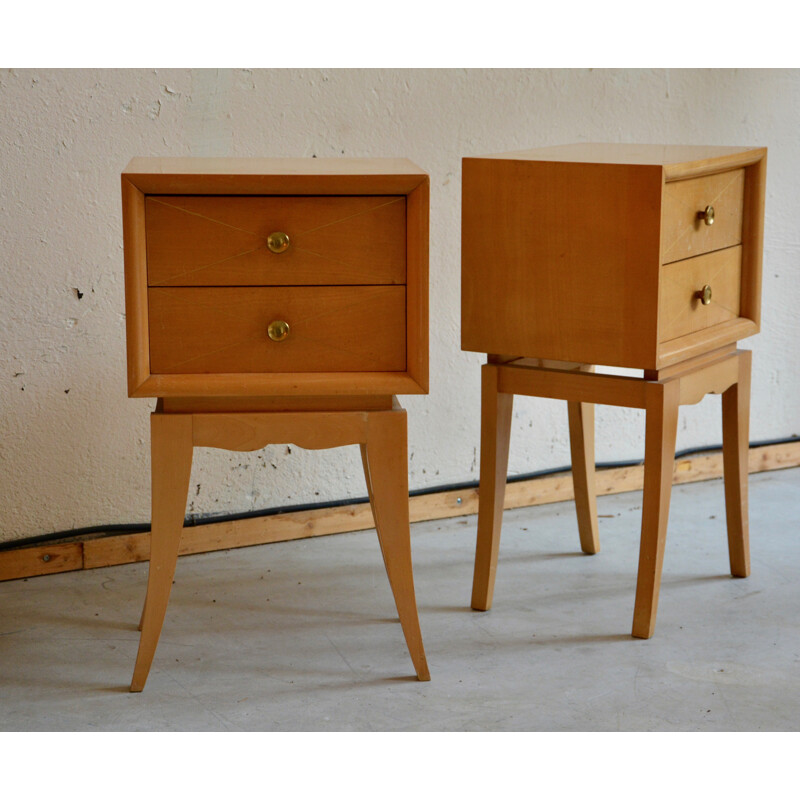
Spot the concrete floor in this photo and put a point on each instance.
(302, 635)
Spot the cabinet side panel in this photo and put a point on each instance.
(136, 325)
(753, 238)
(560, 260)
(417, 213)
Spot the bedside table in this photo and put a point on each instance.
(276, 301)
(636, 256)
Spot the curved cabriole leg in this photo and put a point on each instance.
(735, 444)
(581, 441)
(171, 465)
(659, 458)
(496, 410)
(386, 470)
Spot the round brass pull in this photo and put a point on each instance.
(278, 330)
(704, 295)
(707, 215)
(278, 242)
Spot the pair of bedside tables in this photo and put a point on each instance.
(285, 301)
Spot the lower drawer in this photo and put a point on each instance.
(226, 329)
(681, 309)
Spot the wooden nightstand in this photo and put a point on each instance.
(639, 256)
(276, 301)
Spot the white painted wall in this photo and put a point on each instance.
(74, 449)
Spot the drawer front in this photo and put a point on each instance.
(681, 311)
(684, 232)
(225, 330)
(225, 241)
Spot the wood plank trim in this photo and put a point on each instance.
(255, 431)
(696, 169)
(287, 384)
(109, 551)
(135, 254)
(417, 247)
(273, 176)
(579, 387)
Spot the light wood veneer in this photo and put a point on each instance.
(276, 301)
(638, 256)
(206, 222)
(564, 251)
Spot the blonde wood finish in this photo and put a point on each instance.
(735, 430)
(660, 434)
(496, 408)
(681, 311)
(136, 323)
(562, 251)
(595, 254)
(715, 378)
(200, 405)
(382, 435)
(576, 386)
(171, 465)
(417, 211)
(679, 161)
(676, 352)
(689, 364)
(727, 373)
(283, 384)
(683, 234)
(222, 241)
(386, 471)
(248, 338)
(549, 266)
(312, 430)
(753, 232)
(581, 439)
(112, 549)
(280, 176)
(224, 329)
(360, 222)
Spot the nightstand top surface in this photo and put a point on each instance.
(272, 166)
(632, 154)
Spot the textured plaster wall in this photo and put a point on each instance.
(74, 449)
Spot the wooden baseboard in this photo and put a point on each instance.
(106, 551)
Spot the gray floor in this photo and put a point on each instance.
(302, 635)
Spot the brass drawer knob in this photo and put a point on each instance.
(704, 295)
(278, 330)
(278, 242)
(707, 215)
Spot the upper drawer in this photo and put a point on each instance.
(225, 241)
(685, 232)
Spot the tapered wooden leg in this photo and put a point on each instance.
(735, 445)
(386, 471)
(581, 440)
(496, 410)
(171, 464)
(368, 480)
(660, 434)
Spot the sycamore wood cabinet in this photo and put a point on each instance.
(276, 301)
(646, 257)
